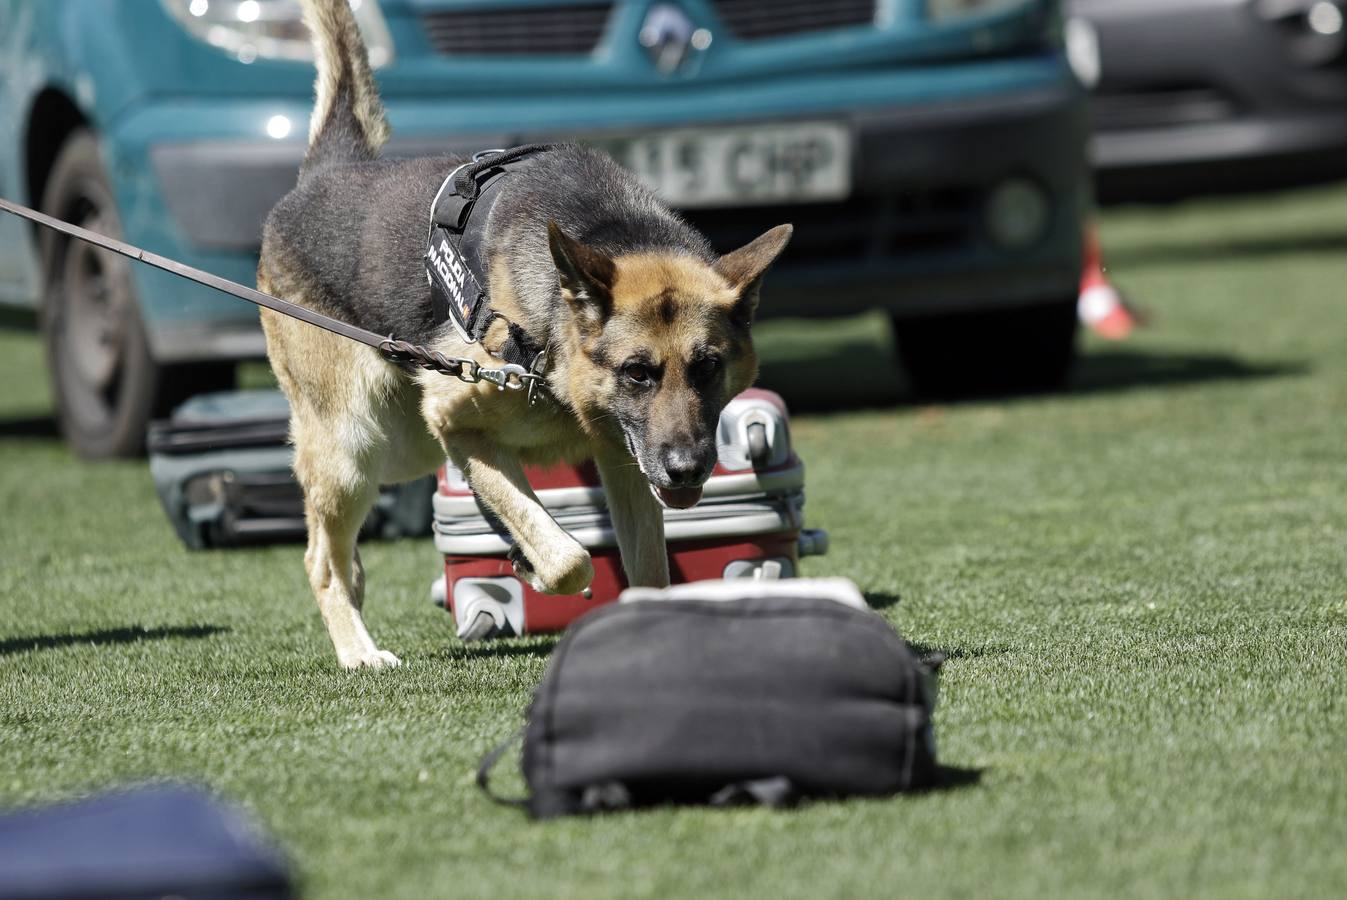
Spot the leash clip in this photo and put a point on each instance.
(509, 376)
(469, 371)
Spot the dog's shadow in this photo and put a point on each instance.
(108, 636)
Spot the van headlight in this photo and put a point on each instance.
(272, 29)
(942, 10)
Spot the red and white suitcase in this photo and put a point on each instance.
(749, 524)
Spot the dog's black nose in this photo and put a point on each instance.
(684, 465)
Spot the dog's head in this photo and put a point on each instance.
(661, 344)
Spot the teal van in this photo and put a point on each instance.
(929, 152)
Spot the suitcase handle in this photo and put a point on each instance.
(759, 451)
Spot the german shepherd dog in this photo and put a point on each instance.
(647, 330)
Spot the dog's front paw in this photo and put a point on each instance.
(574, 574)
(372, 658)
(567, 571)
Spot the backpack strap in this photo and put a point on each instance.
(489, 762)
(777, 793)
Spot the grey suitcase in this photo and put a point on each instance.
(221, 466)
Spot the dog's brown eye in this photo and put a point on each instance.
(705, 368)
(637, 372)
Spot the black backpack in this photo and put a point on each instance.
(722, 691)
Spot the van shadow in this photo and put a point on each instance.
(30, 428)
(107, 636)
(1217, 249)
(1116, 370)
(849, 375)
(856, 376)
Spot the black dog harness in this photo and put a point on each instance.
(455, 263)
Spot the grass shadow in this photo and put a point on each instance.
(104, 637)
(882, 601)
(532, 646)
(948, 653)
(952, 778)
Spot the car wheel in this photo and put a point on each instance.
(998, 352)
(106, 384)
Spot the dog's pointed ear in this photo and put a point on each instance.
(586, 276)
(744, 268)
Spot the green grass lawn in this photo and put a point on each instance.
(1142, 584)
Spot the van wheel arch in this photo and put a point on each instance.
(54, 116)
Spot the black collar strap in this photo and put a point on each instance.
(455, 263)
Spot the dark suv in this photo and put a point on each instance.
(1208, 96)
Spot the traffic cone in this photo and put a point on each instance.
(1101, 306)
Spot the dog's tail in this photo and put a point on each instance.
(348, 123)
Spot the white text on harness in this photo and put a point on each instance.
(453, 274)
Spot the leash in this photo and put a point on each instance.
(511, 376)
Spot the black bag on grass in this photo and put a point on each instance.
(720, 691)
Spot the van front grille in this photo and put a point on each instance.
(572, 30)
(894, 225)
(754, 20)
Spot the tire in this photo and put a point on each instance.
(106, 384)
(1006, 351)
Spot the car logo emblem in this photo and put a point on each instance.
(670, 37)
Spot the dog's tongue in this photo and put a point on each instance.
(680, 498)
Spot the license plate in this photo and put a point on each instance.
(798, 162)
